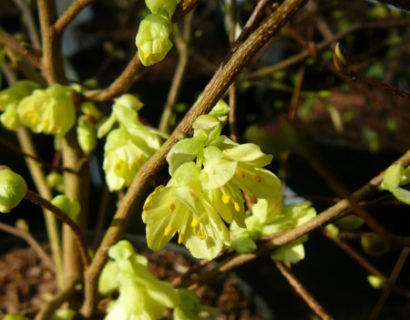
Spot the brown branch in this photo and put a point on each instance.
(302, 292)
(232, 88)
(381, 85)
(48, 309)
(30, 241)
(183, 8)
(267, 246)
(124, 81)
(69, 15)
(212, 93)
(390, 283)
(182, 43)
(21, 49)
(301, 56)
(82, 245)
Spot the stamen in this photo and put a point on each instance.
(237, 207)
(201, 235)
(194, 223)
(180, 238)
(172, 207)
(240, 173)
(257, 179)
(167, 231)
(226, 198)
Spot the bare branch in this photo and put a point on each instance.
(69, 15)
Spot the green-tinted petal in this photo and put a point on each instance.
(257, 182)
(184, 151)
(289, 254)
(248, 153)
(217, 171)
(10, 118)
(107, 283)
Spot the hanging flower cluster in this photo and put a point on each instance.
(141, 295)
(48, 111)
(153, 34)
(269, 217)
(209, 173)
(128, 146)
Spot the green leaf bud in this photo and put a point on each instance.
(15, 93)
(392, 177)
(153, 39)
(56, 182)
(69, 206)
(374, 244)
(350, 222)
(339, 60)
(332, 230)
(86, 135)
(376, 282)
(63, 314)
(13, 188)
(402, 195)
(162, 7)
(49, 111)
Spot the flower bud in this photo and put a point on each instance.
(86, 135)
(49, 111)
(162, 7)
(339, 61)
(70, 207)
(374, 245)
(63, 314)
(376, 282)
(56, 181)
(13, 188)
(153, 39)
(18, 91)
(350, 222)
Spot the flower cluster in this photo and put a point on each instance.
(128, 146)
(209, 173)
(48, 111)
(269, 217)
(141, 295)
(153, 34)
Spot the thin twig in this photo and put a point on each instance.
(41, 162)
(183, 8)
(301, 56)
(182, 43)
(29, 22)
(69, 15)
(30, 241)
(301, 291)
(48, 309)
(212, 93)
(364, 263)
(82, 245)
(390, 283)
(101, 217)
(232, 89)
(10, 42)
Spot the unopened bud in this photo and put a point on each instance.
(13, 188)
(339, 60)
